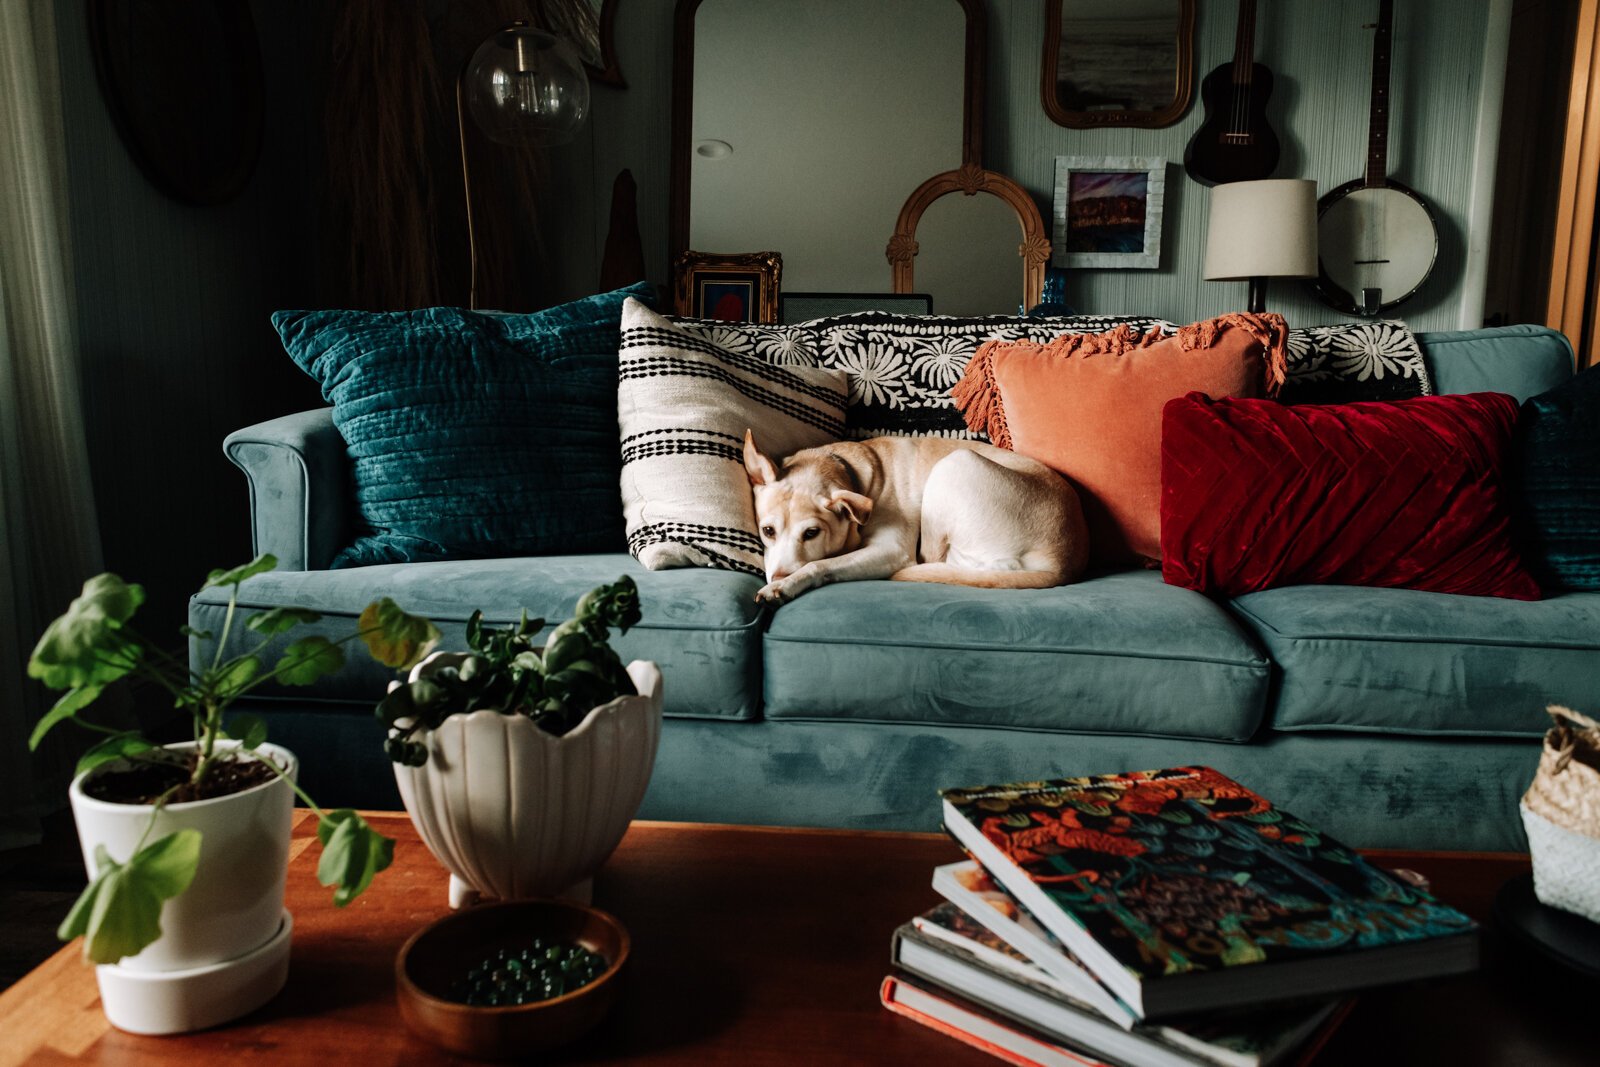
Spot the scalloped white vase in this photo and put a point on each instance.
(515, 812)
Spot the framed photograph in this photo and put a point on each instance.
(1108, 211)
(734, 288)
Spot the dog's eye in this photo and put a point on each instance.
(811, 531)
(768, 532)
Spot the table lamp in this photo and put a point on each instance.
(523, 86)
(1261, 230)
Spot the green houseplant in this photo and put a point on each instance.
(147, 801)
(553, 736)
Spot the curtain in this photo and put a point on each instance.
(48, 539)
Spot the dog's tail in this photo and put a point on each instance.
(949, 574)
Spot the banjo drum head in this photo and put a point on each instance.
(1376, 238)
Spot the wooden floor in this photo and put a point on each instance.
(37, 888)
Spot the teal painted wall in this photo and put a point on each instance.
(1317, 49)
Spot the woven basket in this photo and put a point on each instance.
(1561, 812)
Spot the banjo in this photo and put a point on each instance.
(1376, 239)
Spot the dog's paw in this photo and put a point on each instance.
(783, 589)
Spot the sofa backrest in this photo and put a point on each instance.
(1521, 360)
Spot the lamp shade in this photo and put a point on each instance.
(1265, 229)
(526, 87)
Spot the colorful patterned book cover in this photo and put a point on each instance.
(1185, 870)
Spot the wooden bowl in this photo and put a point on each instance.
(439, 954)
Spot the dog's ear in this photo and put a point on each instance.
(851, 507)
(757, 466)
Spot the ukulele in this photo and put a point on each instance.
(1235, 143)
(1376, 239)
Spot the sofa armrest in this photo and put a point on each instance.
(301, 507)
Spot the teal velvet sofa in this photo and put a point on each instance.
(1389, 717)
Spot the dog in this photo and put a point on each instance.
(913, 509)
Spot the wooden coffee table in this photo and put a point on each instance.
(751, 946)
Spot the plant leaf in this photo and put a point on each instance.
(280, 620)
(76, 924)
(119, 913)
(234, 675)
(168, 864)
(71, 702)
(199, 635)
(260, 565)
(564, 649)
(82, 647)
(308, 659)
(124, 744)
(394, 637)
(249, 730)
(352, 853)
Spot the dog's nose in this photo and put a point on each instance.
(778, 575)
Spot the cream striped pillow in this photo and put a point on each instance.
(683, 405)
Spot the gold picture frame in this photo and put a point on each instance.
(741, 287)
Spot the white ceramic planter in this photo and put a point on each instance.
(232, 911)
(514, 812)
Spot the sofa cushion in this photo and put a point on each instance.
(684, 405)
(1408, 493)
(473, 434)
(1118, 654)
(702, 627)
(1520, 360)
(1558, 464)
(1089, 407)
(1410, 662)
(1348, 362)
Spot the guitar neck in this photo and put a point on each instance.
(1378, 123)
(1244, 43)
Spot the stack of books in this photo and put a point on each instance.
(1169, 918)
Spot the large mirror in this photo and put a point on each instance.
(802, 125)
(1118, 62)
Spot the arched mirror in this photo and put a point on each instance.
(974, 240)
(1118, 62)
(799, 125)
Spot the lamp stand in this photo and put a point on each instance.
(1258, 294)
(466, 187)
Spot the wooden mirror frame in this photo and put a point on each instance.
(683, 109)
(1090, 120)
(970, 180)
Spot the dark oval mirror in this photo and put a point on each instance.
(182, 80)
(1118, 62)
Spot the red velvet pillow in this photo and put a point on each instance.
(1257, 494)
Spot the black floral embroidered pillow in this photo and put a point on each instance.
(901, 367)
(1378, 360)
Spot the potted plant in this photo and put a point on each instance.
(187, 845)
(521, 763)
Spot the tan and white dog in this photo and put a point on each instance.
(914, 509)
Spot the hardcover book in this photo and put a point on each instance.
(968, 980)
(1182, 891)
(988, 920)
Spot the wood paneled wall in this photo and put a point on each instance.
(1321, 57)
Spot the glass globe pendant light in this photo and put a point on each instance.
(523, 87)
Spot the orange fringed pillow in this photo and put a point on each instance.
(1089, 406)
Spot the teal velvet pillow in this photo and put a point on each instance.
(1559, 434)
(474, 434)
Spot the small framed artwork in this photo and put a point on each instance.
(1108, 211)
(734, 288)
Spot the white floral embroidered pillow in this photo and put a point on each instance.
(1377, 360)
